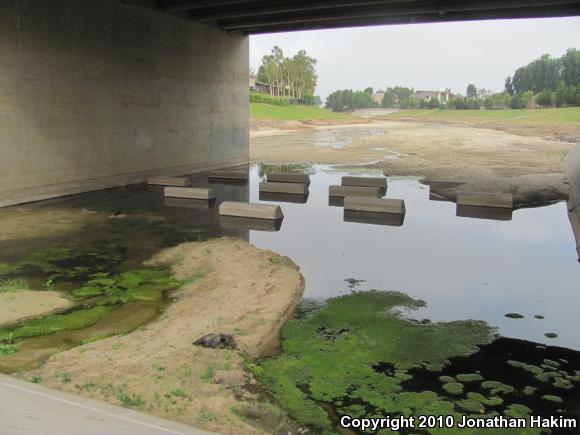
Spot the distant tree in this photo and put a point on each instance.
(528, 98)
(517, 102)
(545, 98)
(393, 96)
(571, 67)
(509, 86)
(471, 91)
(369, 90)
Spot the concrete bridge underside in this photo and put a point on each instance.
(101, 93)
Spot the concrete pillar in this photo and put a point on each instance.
(97, 93)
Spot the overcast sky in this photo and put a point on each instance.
(424, 56)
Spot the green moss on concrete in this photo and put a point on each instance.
(314, 368)
(135, 285)
(54, 323)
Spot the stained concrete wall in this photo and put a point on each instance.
(95, 93)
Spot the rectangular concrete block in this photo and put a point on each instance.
(374, 205)
(249, 210)
(189, 193)
(169, 181)
(365, 182)
(242, 223)
(499, 200)
(201, 204)
(228, 175)
(294, 188)
(289, 178)
(343, 191)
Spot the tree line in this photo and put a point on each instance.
(293, 77)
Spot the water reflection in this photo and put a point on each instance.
(463, 268)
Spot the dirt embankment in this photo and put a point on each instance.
(231, 287)
(484, 159)
(16, 306)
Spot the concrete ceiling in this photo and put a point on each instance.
(268, 16)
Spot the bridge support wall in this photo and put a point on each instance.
(95, 94)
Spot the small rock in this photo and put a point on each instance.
(514, 315)
(229, 378)
(551, 335)
(216, 341)
(539, 317)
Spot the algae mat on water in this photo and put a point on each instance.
(353, 355)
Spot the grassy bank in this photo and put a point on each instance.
(562, 116)
(292, 113)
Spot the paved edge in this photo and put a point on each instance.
(572, 168)
(103, 409)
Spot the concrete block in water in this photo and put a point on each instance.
(365, 182)
(289, 178)
(374, 205)
(498, 200)
(477, 212)
(169, 181)
(294, 188)
(202, 204)
(189, 193)
(243, 223)
(343, 191)
(249, 210)
(228, 175)
(365, 217)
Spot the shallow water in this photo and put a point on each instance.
(462, 267)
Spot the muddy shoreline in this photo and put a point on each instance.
(230, 287)
(482, 157)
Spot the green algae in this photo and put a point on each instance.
(516, 363)
(491, 401)
(497, 387)
(135, 285)
(529, 390)
(469, 377)
(366, 333)
(552, 398)
(552, 363)
(516, 410)
(8, 269)
(57, 322)
(453, 388)
(446, 379)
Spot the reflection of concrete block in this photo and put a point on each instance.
(355, 191)
(289, 178)
(294, 188)
(492, 213)
(283, 197)
(243, 223)
(365, 217)
(374, 205)
(189, 192)
(229, 175)
(169, 181)
(190, 203)
(499, 200)
(248, 210)
(365, 182)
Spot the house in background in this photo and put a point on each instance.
(441, 96)
(263, 88)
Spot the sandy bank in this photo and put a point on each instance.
(529, 167)
(26, 304)
(231, 287)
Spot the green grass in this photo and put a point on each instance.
(293, 113)
(12, 285)
(561, 116)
